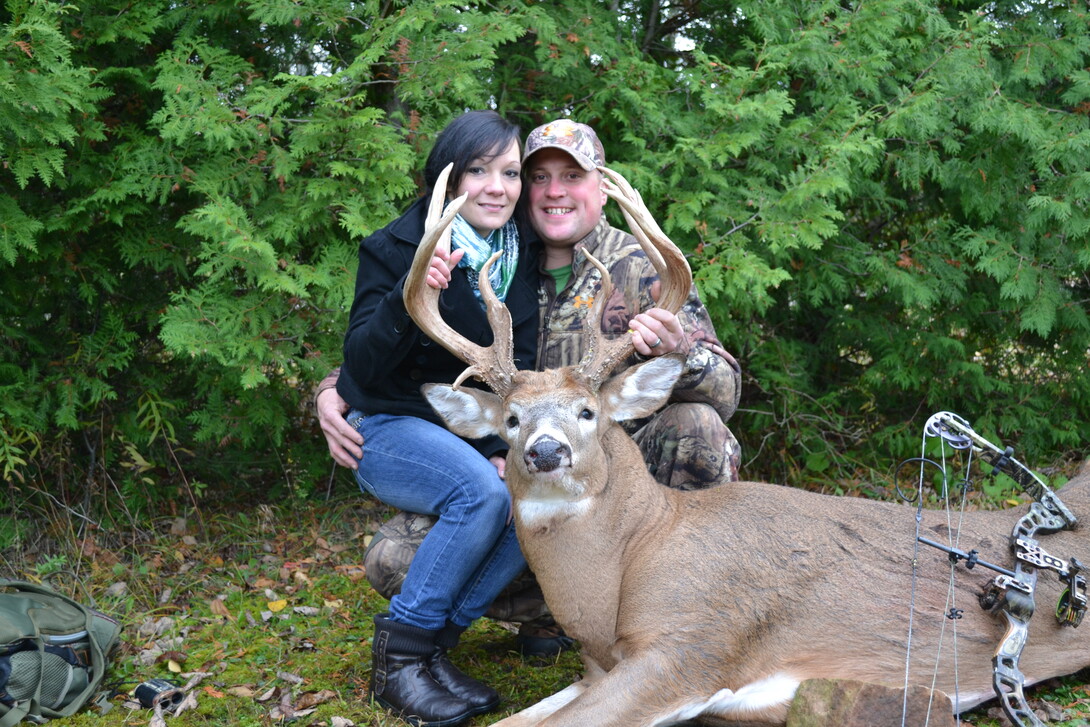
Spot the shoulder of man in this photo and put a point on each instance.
(608, 244)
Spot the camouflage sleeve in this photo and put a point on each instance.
(712, 376)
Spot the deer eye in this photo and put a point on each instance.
(512, 421)
(586, 414)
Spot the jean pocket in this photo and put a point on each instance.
(354, 418)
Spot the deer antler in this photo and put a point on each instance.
(602, 354)
(494, 365)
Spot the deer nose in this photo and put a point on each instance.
(546, 454)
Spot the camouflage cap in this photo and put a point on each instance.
(579, 140)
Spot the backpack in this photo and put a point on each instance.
(53, 652)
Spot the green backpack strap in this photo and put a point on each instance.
(98, 630)
(16, 713)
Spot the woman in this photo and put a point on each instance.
(409, 460)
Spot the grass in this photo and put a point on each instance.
(265, 612)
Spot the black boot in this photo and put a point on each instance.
(401, 682)
(543, 637)
(479, 696)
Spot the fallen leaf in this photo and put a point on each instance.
(308, 700)
(278, 606)
(174, 666)
(272, 693)
(213, 692)
(175, 656)
(241, 691)
(341, 722)
(306, 610)
(354, 573)
(219, 608)
(289, 677)
(188, 703)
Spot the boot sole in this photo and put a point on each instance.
(474, 711)
(418, 722)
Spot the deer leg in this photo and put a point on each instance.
(533, 715)
(644, 691)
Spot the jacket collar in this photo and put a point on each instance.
(409, 227)
(590, 242)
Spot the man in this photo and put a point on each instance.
(686, 445)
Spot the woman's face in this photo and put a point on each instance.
(493, 187)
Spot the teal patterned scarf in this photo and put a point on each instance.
(478, 249)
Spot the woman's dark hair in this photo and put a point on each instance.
(473, 135)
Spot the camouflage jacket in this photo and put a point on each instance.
(712, 375)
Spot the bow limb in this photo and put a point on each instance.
(1016, 606)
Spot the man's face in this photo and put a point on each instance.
(565, 199)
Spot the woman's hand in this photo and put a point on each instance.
(442, 262)
(345, 443)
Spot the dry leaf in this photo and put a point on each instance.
(188, 703)
(308, 700)
(306, 610)
(354, 573)
(241, 691)
(341, 722)
(174, 666)
(213, 692)
(278, 606)
(219, 608)
(271, 694)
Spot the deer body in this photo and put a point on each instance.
(718, 603)
(751, 587)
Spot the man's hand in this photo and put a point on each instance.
(656, 332)
(345, 443)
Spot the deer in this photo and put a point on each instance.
(717, 604)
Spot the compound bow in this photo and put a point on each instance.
(1011, 593)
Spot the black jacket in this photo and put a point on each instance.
(387, 358)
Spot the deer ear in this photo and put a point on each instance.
(639, 391)
(471, 413)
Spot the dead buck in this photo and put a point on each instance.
(719, 603)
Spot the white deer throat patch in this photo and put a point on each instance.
(534, 511)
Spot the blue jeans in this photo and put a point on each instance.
(471, 552)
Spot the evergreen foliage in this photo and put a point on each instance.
(885, 203)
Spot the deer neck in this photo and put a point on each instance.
(576, 547)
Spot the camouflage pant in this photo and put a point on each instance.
(686, 446)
